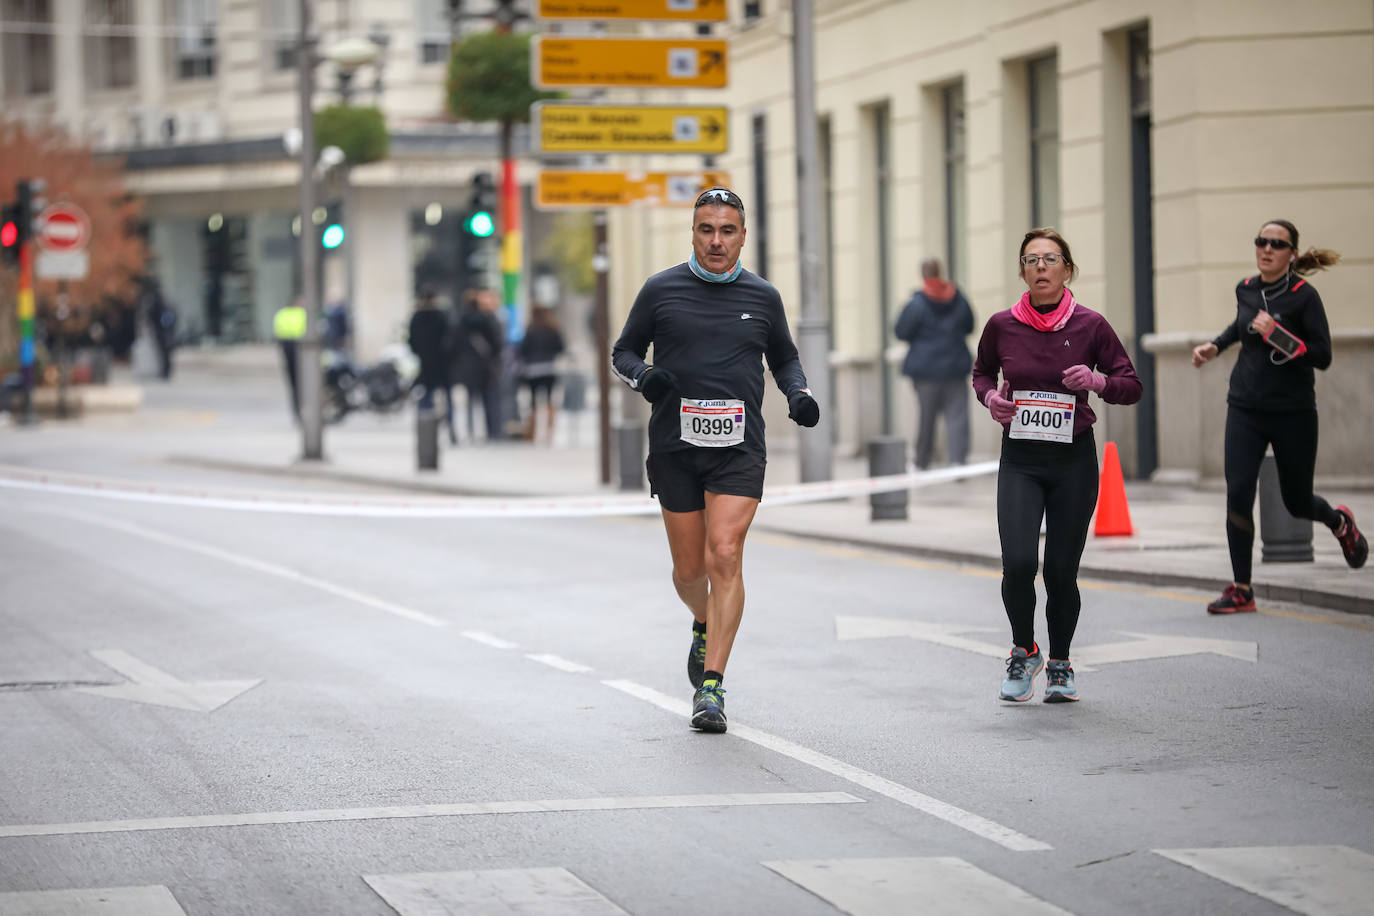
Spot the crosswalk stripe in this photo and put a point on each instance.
(149, 900)
(1313, 880)
(462, 809)
(493, 892)
(939, 884)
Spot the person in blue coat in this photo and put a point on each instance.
(935, 322)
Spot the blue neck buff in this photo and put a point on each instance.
(728, 277)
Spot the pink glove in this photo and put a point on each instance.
(999, 404)
(1081, 378)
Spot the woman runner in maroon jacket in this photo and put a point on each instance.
(1051, 351)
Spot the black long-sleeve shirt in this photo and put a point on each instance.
(712, 338)
(1258, 384)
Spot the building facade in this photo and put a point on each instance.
(1156, 135)
(199, 96)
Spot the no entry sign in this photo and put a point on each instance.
(63, 227)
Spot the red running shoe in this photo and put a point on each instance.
(1233, 601)
(1353, 544)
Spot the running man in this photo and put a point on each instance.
(710, 321)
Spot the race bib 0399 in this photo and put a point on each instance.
(713, 423)
(1043, 415)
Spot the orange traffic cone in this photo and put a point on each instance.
(1113, 514)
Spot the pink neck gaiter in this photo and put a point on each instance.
(1025, 313)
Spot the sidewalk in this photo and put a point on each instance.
(1179, 541)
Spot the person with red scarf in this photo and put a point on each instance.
(935, 322)
(1050, 351)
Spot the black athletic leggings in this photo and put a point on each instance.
(1293, 434)
(1056, 482)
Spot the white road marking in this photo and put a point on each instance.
(460, 809)
(271, 569)
(943, 884)
(150, 685)
(1313, 880)
(487, 639)
(493, 892)
(965, 820)
(16, 478)
(152, 900)
(562, 664)
(1085, 658)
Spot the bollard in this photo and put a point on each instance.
(886, 456)
(630, 451)
(427, 439)
(1284, 538)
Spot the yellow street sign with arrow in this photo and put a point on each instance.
(685, 10)
(573, 128)
(564, 190)
(651, 63)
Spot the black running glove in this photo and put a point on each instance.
(802, 408)
(656, 384)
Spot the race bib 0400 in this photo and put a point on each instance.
(713, 423)
(1043, 415)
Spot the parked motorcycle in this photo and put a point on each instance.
(384, 386)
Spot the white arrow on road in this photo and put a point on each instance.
(1085, 658)
(149, 685)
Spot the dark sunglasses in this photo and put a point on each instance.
(720, 195)
(1276, 244)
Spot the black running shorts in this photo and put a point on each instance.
(681, 478)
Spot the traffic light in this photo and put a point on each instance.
(333, 236)
(481, 219)
(9, 235)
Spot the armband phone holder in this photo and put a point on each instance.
(1286, 345)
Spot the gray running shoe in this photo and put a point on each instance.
(1059, 686)
(708, 707)
(696, 659)
(1022, 667)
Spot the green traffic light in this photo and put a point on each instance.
(333, 236)
(481, 224)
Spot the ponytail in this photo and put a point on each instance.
(1314, 259)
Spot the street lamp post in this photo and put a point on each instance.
(311, 384)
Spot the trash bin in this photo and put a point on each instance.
(887, 456)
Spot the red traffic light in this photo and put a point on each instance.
(9, 234)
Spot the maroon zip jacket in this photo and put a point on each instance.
(1035, 360)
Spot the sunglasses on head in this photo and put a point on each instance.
(720, 195)
(1276, 244)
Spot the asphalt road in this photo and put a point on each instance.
(218, 711)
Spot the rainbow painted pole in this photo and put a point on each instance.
(511, 246)
(25, 314)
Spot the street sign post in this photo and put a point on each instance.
(573, 128)
(683, 10)
(652, 63)
(64, 230)
(591, 190)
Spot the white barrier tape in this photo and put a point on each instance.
(447, 507)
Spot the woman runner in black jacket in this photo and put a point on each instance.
(1281, 327)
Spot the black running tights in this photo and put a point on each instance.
(1293, 434)
(1056, 482)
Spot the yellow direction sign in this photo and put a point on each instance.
(562, 190)
(572, 128)
(689, 10)
(668, 63)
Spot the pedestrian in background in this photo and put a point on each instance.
(430, 341)
(1051, 351)
(1281, 327)
(476, 356)
(288, 326)
(935, 321)
(538, 352)
(162, 321)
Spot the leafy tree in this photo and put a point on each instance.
(96, 184)
(489, 80)
(360, 132)
(570, 247)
